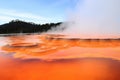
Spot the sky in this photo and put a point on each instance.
(37, 11)
(102, 16)
(95, 19)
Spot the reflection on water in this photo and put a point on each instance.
(56, 57)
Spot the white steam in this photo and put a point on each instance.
(95, 18)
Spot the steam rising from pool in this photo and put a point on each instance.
(94, 18)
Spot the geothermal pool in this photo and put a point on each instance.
(58, 57)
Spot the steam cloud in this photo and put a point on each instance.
(94, 18)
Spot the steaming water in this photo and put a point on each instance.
(94, 19)
(61, 57)
(56, 57)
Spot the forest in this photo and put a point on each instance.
(18, 26)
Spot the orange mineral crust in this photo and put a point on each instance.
(59, 47)
(57, 57)
(64, 69)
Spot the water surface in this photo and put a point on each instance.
(55, 57)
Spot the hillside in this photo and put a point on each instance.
(17, 26)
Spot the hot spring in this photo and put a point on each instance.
(56, 57)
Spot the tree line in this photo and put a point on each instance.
(18, 26)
